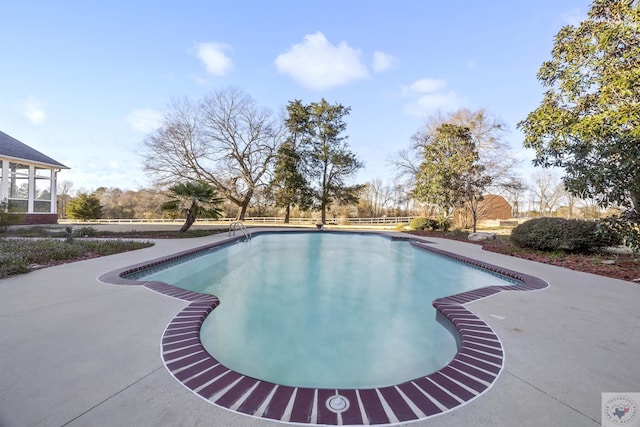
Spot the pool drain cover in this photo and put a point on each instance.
(338, 403)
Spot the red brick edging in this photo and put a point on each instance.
(473, 370)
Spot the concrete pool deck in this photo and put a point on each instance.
(74, 351)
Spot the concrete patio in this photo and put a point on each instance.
(77, 352)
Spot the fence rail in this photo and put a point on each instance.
(260, 220)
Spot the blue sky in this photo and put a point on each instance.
(85, 82)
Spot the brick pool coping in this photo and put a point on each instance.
(472, 371)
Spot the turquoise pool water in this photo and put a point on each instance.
(327, 310)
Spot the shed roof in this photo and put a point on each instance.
(11, 147)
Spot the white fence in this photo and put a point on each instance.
(259, 220)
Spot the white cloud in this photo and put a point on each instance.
(144, 120)
(382, 61)
(33, 110)
(213, 56)
(433, 102)
(317, 64)
(428, 96)
(425, 85)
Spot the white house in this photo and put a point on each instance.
(28, 181)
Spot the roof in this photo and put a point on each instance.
(495, 198)
(11, 147)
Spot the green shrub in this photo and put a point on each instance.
(420, 223)
(442, 223)
(85, 207)
(553, 234)
(18, 256)
(11, 265)
(8, 217)
(85, 232)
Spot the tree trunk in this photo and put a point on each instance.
(242, 211)
(191, 218)
(324, 190)
(244, 205)
(635, 201)
(323, 207)
(287, 213)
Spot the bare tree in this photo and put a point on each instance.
(111, 202)
(144, 203)
(514, 191)
(569, 201)
(547, 190)
(63, 197)
(262, 204)
(401, 199)
(591, 208)
(225, 140)
(407, 166)
(376, 197)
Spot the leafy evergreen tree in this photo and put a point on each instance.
(587, 122)
(451, 174)
(316, 160)
(289, 185)
(84, 207)
(330, 160)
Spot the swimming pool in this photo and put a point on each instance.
(327, 309)
(472, 371)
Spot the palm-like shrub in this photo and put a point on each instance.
(193, 199)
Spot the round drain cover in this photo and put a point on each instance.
(338, 403)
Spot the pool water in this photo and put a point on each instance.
(327, 310)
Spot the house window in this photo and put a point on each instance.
(27, 188)
(41, 206)
(43, 172)
(42, 201)
(18, 169)
(18, 187)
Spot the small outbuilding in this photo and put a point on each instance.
(28, 181)
(494, 207)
